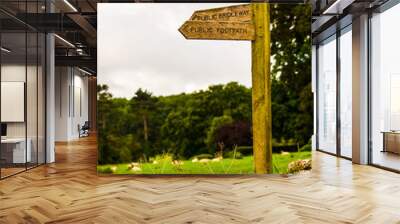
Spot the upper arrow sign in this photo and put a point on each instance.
(227, 23)
(236, 13)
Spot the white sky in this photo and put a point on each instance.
(139, 45)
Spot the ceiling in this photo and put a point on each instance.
(74, 22)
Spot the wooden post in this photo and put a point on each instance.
(232, 23)
(261, 89)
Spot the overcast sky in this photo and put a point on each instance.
(139, 45)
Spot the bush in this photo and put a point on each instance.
(285, 148)
(216, 123)
(245, 150)
(104, 170)
(237, 133)
(163, 158)
(306, 147)
(229, 155)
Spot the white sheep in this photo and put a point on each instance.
(204, 160)
(136, 168)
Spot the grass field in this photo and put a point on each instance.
(224, 166)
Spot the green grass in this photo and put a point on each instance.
(225, 166)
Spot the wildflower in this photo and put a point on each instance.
(177, 162)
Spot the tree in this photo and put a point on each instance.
(292, 109)
(103, 98)
(142, 103)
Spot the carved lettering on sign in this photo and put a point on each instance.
(217, 30)
(237, 13)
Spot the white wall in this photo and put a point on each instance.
(62, 82)
(33, 126)
(12, 73)
(71, 102)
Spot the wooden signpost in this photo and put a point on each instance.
(244, 22)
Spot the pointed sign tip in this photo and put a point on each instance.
(182, 30)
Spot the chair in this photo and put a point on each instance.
(84, 130)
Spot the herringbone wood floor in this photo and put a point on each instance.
(70, 191)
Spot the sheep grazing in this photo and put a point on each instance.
(204, 161)
(195, 160)
(217, 159)
(136, 168)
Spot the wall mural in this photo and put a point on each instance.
(204, 88)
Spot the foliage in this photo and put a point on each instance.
(142, 104)
(292, 100)
(177, 124)
(104, 169)
(306, 147)
(216, 123)
(233, 154)
(245, 150)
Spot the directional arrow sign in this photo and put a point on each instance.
(217, 30)
(236, 13)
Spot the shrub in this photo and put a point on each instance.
(237, 133)
(216, 123)
(306, 147)
(163, 158)
(125, 155)
(285, 148)
(104, 170)
(245, 150)
(230, 154)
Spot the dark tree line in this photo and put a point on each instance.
(189, 124)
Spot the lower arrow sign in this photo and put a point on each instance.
(218, 30)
